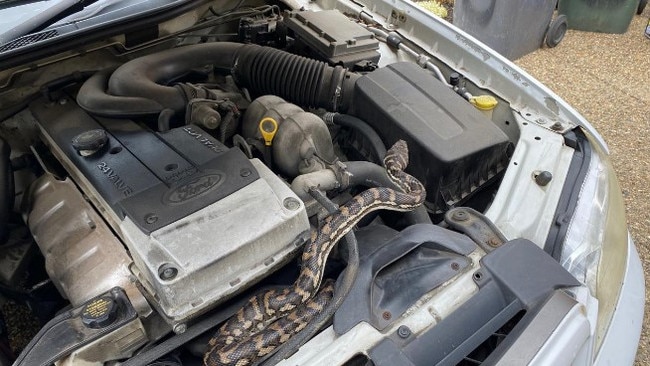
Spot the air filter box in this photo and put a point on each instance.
(454, 149)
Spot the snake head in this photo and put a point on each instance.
(397, 157)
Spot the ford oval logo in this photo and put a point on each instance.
(193, 188)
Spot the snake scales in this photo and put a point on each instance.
(270, 318)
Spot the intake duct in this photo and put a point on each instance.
(140, 87)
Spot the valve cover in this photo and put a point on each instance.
(200, 221)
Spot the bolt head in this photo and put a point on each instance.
(493, 242)
(167, 272)
(291, 203)
(180, 328)
(403, 331)
(460, 215)
(151, 219)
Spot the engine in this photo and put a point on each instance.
(185, 189)
(200, 220)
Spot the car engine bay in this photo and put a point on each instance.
(164, 190)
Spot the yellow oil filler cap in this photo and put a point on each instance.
(268, 128)
(484, 103)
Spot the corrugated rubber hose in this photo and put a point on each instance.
(139, 87)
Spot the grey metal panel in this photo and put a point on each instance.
(82, 256)
(540, 328)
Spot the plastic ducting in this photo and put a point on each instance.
(262, 70)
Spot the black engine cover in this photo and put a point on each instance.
(454, 149)
(153, 178)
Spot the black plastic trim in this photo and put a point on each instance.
(570, 192)
(384, 288)
(153, 178)
(514, 277)
(66, 332)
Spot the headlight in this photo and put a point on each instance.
(595, 247)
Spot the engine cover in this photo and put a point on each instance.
(200, 221)
(212, 253)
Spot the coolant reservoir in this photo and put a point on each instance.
(485, 104)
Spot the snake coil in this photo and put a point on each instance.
(255, 331)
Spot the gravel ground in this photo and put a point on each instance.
(606, 77)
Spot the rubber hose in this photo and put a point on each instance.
(7, 192)
(324, 179)
(93, 98)
(262, 70)
(297, 79)
(228, 127)
(147, 76)
(346, 120)
(164, 120)
(345, 283)
(365, 173)
(322, 199)
(368, 174)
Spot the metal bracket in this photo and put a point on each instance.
(478, 227)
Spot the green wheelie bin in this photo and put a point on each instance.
(605, 16)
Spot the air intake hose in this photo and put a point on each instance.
(297, 79)
(139, 84)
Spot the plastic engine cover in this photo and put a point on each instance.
(454, 149)
(200, 221)
(214, 252)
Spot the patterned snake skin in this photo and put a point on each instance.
(249, 334)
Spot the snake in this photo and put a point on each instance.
(270, 318)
